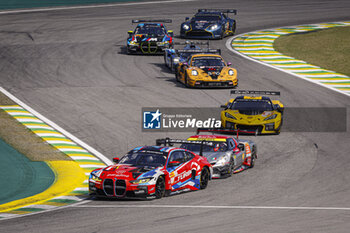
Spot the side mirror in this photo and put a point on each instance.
(116, 160)
(229, 63)
(187, 18)
(171, 33)
(174, 163)
(130, 32)
(241, 147)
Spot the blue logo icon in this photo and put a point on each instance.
(151, 120)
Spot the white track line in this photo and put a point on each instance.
(56, 127)
(90, 6)
(215, 207)
(229, 46)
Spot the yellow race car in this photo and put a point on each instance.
(251, 113)
(206, 70)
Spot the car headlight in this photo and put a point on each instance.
(194, 72)
(141, 181)
(186, 27)
(95, 178)
(222, 161)
(214, 27)
(270, 117)
(228, 115)
(176, 60)
(231, 72)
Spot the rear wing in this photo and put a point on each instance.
(227, 131)
(246, 92)
(233, 11)
(198, 51)
(171, 142)
(151, 21)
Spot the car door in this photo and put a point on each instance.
(180, 172)
(236, 152)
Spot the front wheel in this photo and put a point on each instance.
(252, 159)
(231, 169)
(204, 179)
(177, 76)
(160, 187)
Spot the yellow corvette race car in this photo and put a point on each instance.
(206, 70)
(257, 114)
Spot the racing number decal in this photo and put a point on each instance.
(247, 150)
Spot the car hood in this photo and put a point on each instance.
(124, 171)
(212, 156)
(251, 115)
(213, 71)
(148, 37)
(201, 24)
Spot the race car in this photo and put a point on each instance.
(149, 37)
(151, 172)
(206, 70)
(256, 113)
(209, 24)
(227, 155)
(172, 57)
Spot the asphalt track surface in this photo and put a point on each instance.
(71, 66)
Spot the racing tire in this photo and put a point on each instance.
(160, 187)
(253, 156)
(171, 65)
(177, 76)
(204, 179)
(233, 29)
(186, 82)
(231, 170)
(128, 51)
(166, 64)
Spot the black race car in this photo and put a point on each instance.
(209, 24)
(149, 37)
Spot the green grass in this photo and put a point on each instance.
(23, 140)
(329, 48)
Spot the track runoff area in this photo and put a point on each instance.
(325, 208)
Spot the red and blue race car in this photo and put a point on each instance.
(151, 172)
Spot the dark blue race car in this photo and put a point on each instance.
(149, 37)
(172, 57)
(209, 24)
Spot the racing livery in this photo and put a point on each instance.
(228, 155)
(209, 24)
(149, 37)
(206, 70)
(151, 172)
(172, 57)
(257, 113)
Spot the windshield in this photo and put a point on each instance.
(150, 30)
(207, 61)
(218, 146)
(207, 18)
(152, 159)
(251, 104)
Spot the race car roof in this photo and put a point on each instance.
(253, 98)
(206, 55)
(220, 138)
(154, 149)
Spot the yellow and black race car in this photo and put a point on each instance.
(206, 70)
(253, 113)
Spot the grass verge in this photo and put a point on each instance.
(23, 140)
(328, 48)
